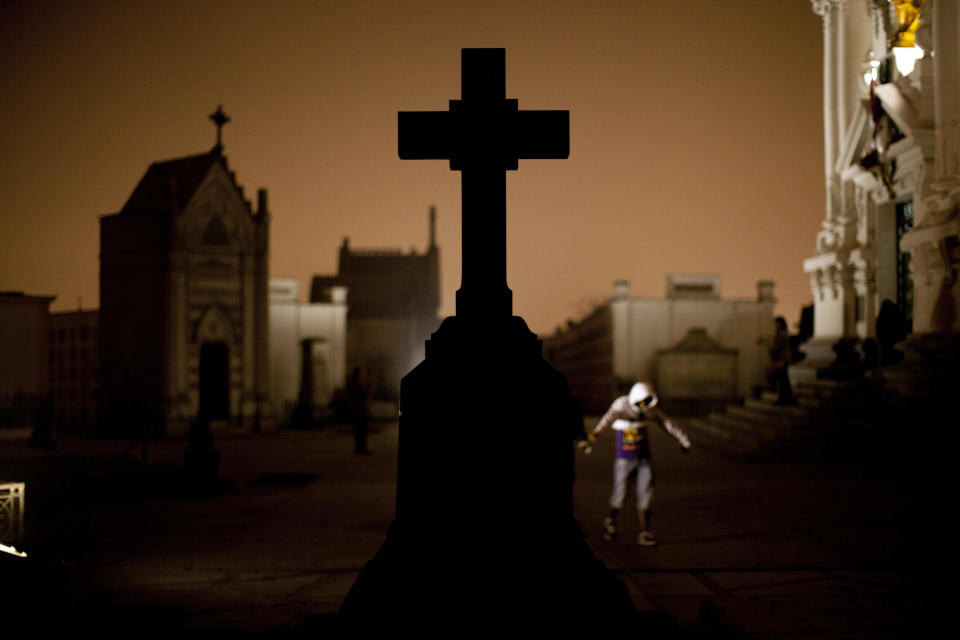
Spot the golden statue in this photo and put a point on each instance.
(908, 21)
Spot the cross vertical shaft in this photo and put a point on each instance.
(483, 135)
(483, 281)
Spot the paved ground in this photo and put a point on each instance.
(747, 550)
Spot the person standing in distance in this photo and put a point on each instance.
(779, 368)
(630, 416)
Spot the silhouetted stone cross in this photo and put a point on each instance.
(219, 118)
(483, 135)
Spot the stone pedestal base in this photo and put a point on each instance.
(828, 358)
(484, 530)
(201, 461)
(930, 368)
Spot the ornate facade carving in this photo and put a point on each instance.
(865, 228)
(859, 248)
(948, 149)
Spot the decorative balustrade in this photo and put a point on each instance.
(11, 511)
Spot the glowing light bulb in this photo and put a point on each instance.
(906, 58)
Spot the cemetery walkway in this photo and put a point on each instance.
(747, 550)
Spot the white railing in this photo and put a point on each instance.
(11, 511)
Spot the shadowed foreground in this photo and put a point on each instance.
(754, 550)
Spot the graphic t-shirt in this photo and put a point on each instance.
(633, 444)
(632, 438)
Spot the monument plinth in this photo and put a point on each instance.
(484, 529)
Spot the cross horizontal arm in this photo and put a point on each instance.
(425, 135)
(542, 134)
(444, 135)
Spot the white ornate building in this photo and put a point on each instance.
(892, 170)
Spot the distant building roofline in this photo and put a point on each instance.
(14, 296)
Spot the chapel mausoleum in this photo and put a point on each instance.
(183, 302)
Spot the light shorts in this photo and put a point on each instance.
(621, 471)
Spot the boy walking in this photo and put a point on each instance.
(630, 416)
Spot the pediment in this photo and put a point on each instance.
(216, 217)
(698, 341)
(898, 107)
(859, 139)
(214, 326)
(895, 137)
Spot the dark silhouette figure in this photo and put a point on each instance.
(806, 324)
(891, 329)
(358, 398)
(487, 427)
(778, 369)
(871, 356)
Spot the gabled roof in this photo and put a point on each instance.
(167, 186)
(697, 340)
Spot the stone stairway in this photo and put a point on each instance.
(832, 418)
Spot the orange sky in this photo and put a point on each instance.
(696, 135)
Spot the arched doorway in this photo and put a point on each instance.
(214, 383)
(214, 340)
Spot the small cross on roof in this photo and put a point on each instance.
(219, 118)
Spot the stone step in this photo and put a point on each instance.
(815, 401)
(851, 411)
(840, 428)
(750, 430)
(745, 438)
(817, 398)
(769, 396)
(866, 406)
(826, 383)
(800, 372)
(764, 418)
(757, 437)
(725, 432)
(859, 390)
(823, 383)
(773, 409)
(837, 397)
(832, 418)
(708, 435)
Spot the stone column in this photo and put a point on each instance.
(840, 77)
(829, 10)
(946, 71)
(176, 392)
(264, 419)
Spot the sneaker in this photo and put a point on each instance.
(646, 539)
(609, 529)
